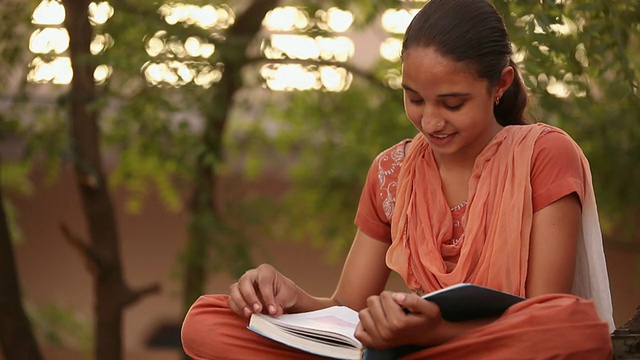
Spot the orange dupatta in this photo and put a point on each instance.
(495, 249)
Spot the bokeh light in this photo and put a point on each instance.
(52, 40)
(56, 71)
(174, 73)
(335, 20)
(286, 18)
(287, 41)
(391, 49)
(205, 17)
(48, 13)
(396, 21)
(49, 40)
(100, 13)
(177, 61)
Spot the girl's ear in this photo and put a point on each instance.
(506, 78)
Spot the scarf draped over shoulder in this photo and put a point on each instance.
(498, 222)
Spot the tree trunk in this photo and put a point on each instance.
(102, 253)
(204, 215)
(17, 340)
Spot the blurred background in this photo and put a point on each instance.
(151, 152)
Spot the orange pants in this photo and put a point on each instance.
(546, 327)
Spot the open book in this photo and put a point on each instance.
(329, 332)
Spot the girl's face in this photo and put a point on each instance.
(449, 104)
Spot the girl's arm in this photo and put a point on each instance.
(264, 289)
(364, 273)
(552, 254)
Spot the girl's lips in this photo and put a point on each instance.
(440, 139)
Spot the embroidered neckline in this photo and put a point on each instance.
(454, 241)
(459, 206)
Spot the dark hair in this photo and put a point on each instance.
(472, 32)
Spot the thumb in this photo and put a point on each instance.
(402, 299)
(412, 303)
(285, 296)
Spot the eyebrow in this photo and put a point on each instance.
(452, 94)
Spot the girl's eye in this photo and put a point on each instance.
(453, 106)
(416, 101)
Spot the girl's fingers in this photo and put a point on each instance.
(366, 330)
(262, 289)
(237, 303)
(265, 282)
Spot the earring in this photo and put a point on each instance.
(497, 100)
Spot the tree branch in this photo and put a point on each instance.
(249, 22)
(135, 295)
(91, 260)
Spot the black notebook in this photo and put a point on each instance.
(468, 302)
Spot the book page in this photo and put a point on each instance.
(333, 320)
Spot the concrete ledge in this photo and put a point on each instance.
(626, 340)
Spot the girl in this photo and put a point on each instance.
(477, 196)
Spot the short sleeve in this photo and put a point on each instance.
(556, 169)
(378, 197)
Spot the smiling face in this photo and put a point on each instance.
(449, 104)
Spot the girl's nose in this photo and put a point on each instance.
(431, 121)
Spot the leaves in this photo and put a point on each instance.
(61, 327)
(601, 111)
(332, 143)
(324, 142)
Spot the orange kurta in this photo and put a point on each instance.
(494, 251)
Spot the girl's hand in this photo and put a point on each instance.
(394, 319)
(262, 290)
